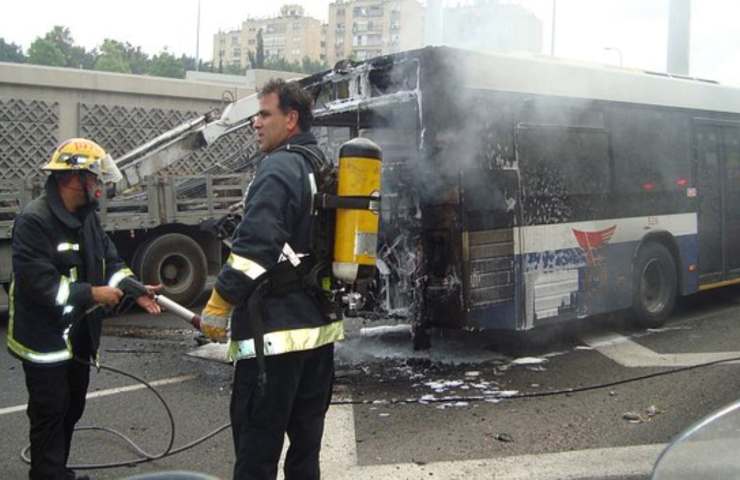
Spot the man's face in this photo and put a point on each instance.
(93, 188)
(80, 188)
(273, 126)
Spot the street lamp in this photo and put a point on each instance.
(552, 31)
(619, 52)
(197, 41)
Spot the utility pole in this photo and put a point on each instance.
(552, 38)
(197, 41)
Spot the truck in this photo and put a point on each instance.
(155, 223)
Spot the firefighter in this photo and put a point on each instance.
(290, 391)
(66, 275)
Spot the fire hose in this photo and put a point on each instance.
(194, 320)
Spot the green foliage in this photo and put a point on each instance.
(167, 65)
(57, 48)
(137, 60)
(313, 66)
(44, 52)
(279, 63)
(234, 70)
(307, 66)
(260, 55)
(10, 52)
(112, 57)
(81, 58)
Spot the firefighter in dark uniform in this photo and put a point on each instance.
(293, 395)
(66, 272)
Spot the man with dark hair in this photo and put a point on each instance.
(64, 268)
(289, 388)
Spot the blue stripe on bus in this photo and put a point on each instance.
(603, 287)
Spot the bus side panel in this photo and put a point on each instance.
(493, 278)
(688, 249)
(574, 270)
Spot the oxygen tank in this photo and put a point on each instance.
(356, 231)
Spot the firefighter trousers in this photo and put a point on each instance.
(295, 400)
(56, 400)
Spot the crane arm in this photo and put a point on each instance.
(179, 142)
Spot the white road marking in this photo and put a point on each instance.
(619, 461)
(339, 460)
(112, 391)
(631, 354)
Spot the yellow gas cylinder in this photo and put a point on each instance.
(356, 232)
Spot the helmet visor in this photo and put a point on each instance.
(109, 172)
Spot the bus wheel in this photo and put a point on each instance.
(178, 263)
(655, 285)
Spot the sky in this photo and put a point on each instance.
(637, 28)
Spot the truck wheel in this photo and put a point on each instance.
(178, 263)
(655, 285)
(136, 259)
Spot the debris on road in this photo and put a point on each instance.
(528, 361)
(504, 437)
(652, 411)
(633, 417)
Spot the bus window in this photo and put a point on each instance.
(559, 165)
(651, 149)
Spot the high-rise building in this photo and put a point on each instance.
(291, 36)
(490, 26)
(362, 29)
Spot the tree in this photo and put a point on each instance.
(166, 65)
(45, 52)
(138, 61)
(259, 57)
(81, 58)
(74, 55)
(10, 52)
(313, 66)
(279, 63)
(188, 63)
(112, 57)
(233, 70)
(57, 48)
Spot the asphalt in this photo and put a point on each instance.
(395, 436)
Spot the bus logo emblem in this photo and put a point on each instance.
(590, 242)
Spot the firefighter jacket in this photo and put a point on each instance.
(275, 228)
(57, 257)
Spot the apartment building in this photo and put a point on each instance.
(488, 25)
(292, 36)
(362, 29)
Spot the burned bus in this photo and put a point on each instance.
(523, 191)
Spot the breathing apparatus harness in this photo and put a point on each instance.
(311, 274)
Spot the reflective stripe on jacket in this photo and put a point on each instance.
(57, 257)
(276, 226)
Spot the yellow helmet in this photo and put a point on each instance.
(81, 154)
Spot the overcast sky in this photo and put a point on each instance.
(637, 28)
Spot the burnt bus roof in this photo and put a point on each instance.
(541, 75)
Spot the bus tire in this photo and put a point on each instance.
(655, 285)
(177, 262)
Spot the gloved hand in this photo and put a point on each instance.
(215, 317)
